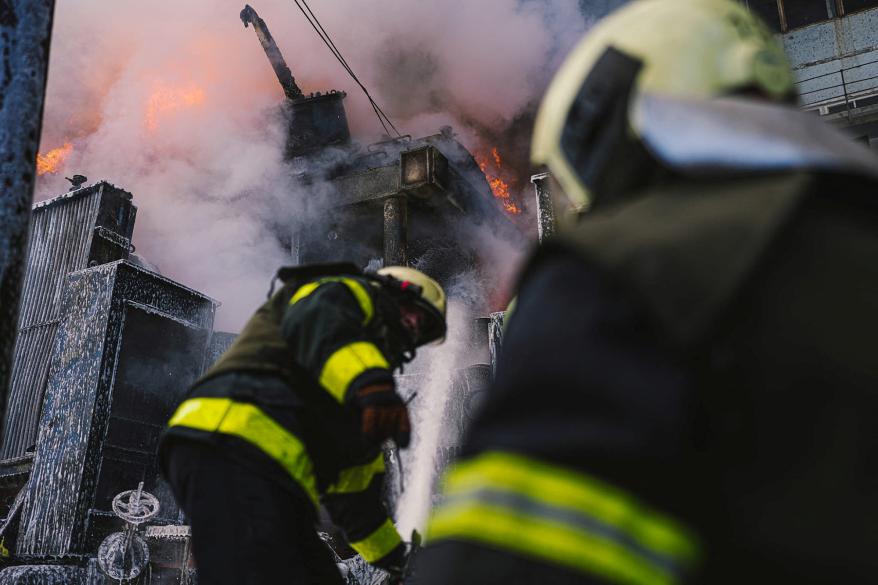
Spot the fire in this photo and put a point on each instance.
(52, 160)
(499, 187)
(167, 99)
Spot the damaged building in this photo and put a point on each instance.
(91, 390)
(832, 46)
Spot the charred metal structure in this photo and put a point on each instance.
(546, 221)
(315, 121)
(91, 387)
(400, 201)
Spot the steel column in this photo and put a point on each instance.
(395, 230)
(545, 207)
(25, 32)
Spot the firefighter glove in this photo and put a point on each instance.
(383, 414)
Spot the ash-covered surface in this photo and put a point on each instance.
(170, 552)
(101, 418)
(90, 574)
(545, 206)
(45, 575)
(54, 505)
(68, 233)
(495, 336)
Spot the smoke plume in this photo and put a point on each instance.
(176, 102)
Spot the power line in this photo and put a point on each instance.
(312, 19)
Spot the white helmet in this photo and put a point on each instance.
(696, 49)
(426, 293)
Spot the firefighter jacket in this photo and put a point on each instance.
(279, 400)
(686, 393)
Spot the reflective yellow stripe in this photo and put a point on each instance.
(560, 516)
(347, 363)
(357, 479)
(564, 488)
(379, 543)
(548, 541)
(247, 421)
(356, 288)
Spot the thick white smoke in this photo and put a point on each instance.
(176, 102)
(427, 411)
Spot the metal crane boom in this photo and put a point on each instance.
(284, 75)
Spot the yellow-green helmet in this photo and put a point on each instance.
(696, 49)
(428, 294)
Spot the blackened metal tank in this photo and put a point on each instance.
(317, 121)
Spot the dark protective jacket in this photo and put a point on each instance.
(279, 398)
(686, 393)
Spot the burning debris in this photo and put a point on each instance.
(493, 169)
(166, 100)
(52, 161)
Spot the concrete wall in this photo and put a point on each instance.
(820, 51)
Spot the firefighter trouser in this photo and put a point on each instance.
(246, 529)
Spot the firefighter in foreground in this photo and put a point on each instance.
(293, 415)
(687, 388)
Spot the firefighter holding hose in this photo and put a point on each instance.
(686, 391)
(293, 416)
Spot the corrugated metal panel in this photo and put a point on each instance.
(59, 243)
(61, 235)
(30, 370)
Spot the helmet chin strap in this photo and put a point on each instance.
(398, 342)
(407, 344)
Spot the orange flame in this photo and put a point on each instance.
(499, 187)
(52, 160)
(167, 99)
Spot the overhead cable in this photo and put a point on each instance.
(312, 19)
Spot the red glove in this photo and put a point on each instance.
(383, 414)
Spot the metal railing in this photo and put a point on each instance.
(846, 93)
